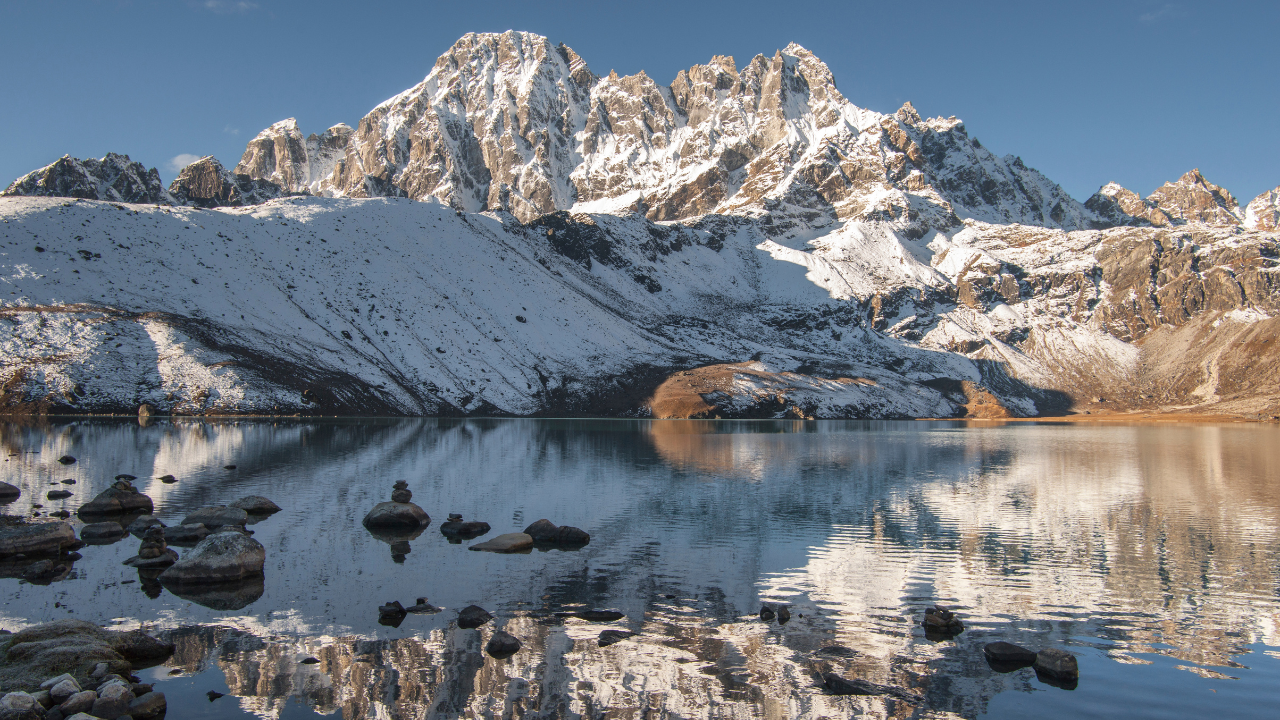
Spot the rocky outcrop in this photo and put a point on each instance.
(281, 155)
(1263, 212)
(206, 183)
(114, 178)
(223, 557)
(1115, 205)
(1192, 199)
(75, 647)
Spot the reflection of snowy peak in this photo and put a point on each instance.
(512, 122)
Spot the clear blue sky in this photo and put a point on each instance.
(1136, 91)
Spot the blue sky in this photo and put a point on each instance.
(1136, 91)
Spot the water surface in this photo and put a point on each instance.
(1149, 551)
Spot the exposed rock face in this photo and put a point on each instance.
(1116, 205)
(1193, 199)
(113, 178)
(282, 156)
(512, 122)
(206, 183)
(1263, 212)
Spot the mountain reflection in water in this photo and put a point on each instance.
(1149, 551)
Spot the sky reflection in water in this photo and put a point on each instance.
(1150, 551)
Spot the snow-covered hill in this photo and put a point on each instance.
(518, 235)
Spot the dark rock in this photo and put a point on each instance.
(213, 695)
(81, 702)
(391, 614)
(102, 533)
(36, 538)
(506, 543)
(542, 531)
(609, 637)
(126, 476)
(1006, 657)
(473, 616)
(67, 460)
(464, 530)
(784, 614)
(113, 701)
(854, 686)
(217, 516)
(140, 688)
(228, 467)
(58, 494)
(310, 661)
(69, 481)
(569, 535)
(766, 613)
(594, 615)
(64, 514)
(166, 558)
(206, 183)
(185, 534)
(256, 505)
(9, 493)
(222, 557)
(142, 523)
(422, 606)
(397, 516)
(43, 571)
(502, 645)
(1057, 664)
(121, 498)
(545, 531)
(455, 517)
(168, 479)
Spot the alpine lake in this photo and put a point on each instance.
(1150, 552)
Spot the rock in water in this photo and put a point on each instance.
(147, 706)
(222, 557)
(545, 531)
(256, 505)
(1057, 664)
(766, 613)
(168, 479)
(609, 637)
(153, 553)
(121, 498)
(502, 645)
(422, 606)
(784, 614)
(1006, 657)
(392, 614)
(67, 460)
(36, 538)
(142, 523)
(74, 647)
(464, 530)
(101, 533)
(217, 516)
(186, 534)
(8, 493)
(506, 543)
(473, 616)
(58, 494)
(397, 516)
(940, 622)
(401, 493)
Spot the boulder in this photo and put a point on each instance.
(502, 645)
(17, 701)
(67, 460)
(168, 479)
(473, 616)
(1057, 664)
(507, 543)
(121, 498)
(216, 516)
(47, 684)
(75, 647)
(113, 701)
(222, 557)
(58, 494)
(102, 533)
(784, 614)
(141, 524)
(147, 705)
(545, 531)
(464, 530)
(256, 505)
(9, 493)
(186, 534)
(36, 538)
(391, 613)
(63, 690)
(1006, 657)
(766, 613)
(396, 516)
(609, 637)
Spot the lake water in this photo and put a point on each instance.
(1151, 552)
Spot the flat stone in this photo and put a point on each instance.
(216, 516)
(58, 494)
(147, 705)
(473, 616)
(101, 533)
(164, 560)
(506, 543)
(17, 701)
(255, 505)
(186, 534)
(502, 645)
(222, 557)
(36, 538)
(466, 530)
(1058, 664)
(1004, 656)
(81, 702)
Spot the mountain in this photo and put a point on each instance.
(517, 235)
(114, 178)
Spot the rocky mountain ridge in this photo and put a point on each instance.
(578, 242)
